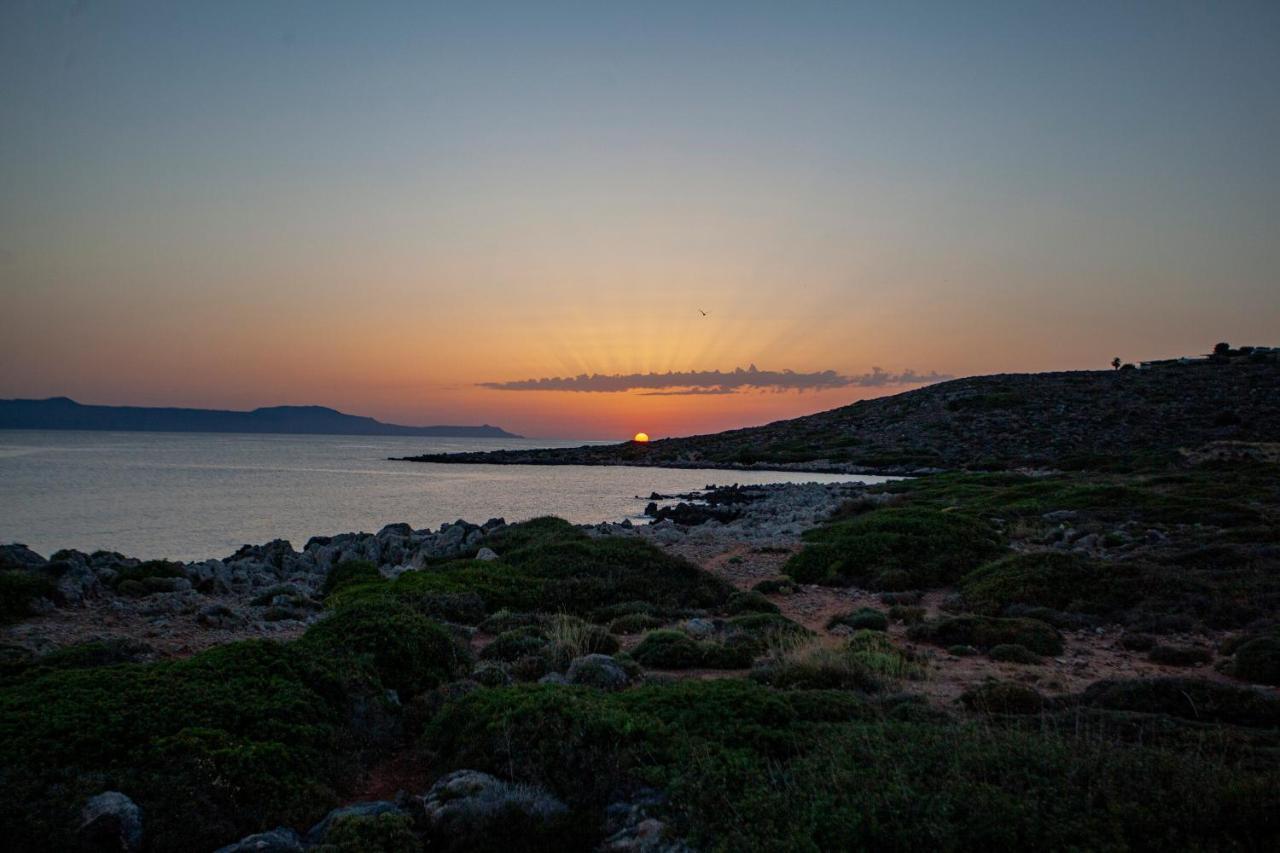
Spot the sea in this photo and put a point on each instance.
(189, 496)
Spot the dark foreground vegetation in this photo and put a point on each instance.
(512, 667)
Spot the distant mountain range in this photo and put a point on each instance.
(65, 413)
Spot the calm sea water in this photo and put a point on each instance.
(194, 495)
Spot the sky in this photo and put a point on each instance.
(517, 213)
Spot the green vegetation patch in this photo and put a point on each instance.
(17, 590)
(1055, 580)
(895, 548)
(985, 632)
(549, 566)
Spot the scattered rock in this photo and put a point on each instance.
(111, 822)
(465, 808)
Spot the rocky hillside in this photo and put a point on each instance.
(1081, 419)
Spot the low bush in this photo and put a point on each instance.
(749, 602)
(409, 652)
(907, 615)
(1258, 660)
(1003, 697)
(634, 623)
(985, 632)
(350, 573)
(98, 653)
(138, 576)
(231, 740)
(895, 548)
(1049, 579)
(1187, 698)
(17, 590)
(516, 643)
(668, 649)
(775, 586)
(1013, 653)
(384, 833)
(864, 618)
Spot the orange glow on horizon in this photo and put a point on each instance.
(641, 438)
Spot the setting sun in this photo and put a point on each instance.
(641, 437)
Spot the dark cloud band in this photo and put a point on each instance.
(700, 382)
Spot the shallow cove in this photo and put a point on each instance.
(196, 495)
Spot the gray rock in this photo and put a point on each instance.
(369, 809)
(1060, 515)
(699, 628)
(282, 839)
(468, 803)
(19, 556)
(599, 671)
(631, 827)
(486, 554)
(219, 616)
(111, 821)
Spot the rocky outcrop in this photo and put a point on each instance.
(466, 808)
(111, 822)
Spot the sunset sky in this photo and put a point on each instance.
(408, 210)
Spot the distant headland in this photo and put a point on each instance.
(65, 413)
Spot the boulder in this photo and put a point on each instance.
(486, 554)
(111, 822)
(631, 827)
(468, 809)
(19, 556)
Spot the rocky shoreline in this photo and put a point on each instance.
(544, 686)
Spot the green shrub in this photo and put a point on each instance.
(1013, 653)
(384, 833)
(213, 747)
(351, 573)
(1003, 697)
(898, 548)
(634, 623)
(987, 631)
(775, 586)
(98, 653)
(865, 617)
(668, 649)
(17, 590)
(907, 615)
(1258, 661)
(548, 566)
(750, 602)
(1047, 579)
(409, 652)
(1186, 698)
(146, 571)
(516, 643)
(764, 625)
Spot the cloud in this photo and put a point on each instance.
(709, 382)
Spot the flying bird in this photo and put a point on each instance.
(703, 313)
